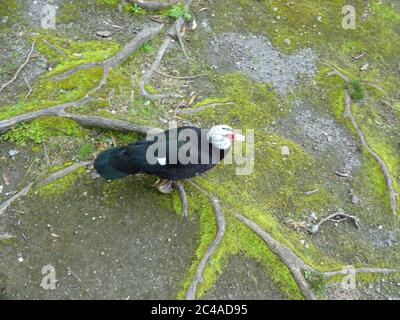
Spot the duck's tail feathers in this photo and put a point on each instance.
(103, 166)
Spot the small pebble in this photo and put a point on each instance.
(285, 151)
(13, 153)
(103, 34)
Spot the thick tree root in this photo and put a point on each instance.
(348, 114)
(5, 125)
(107, 65)
(66, 171)
(182, 194)
(220, 220)
(153, 5)
(298, 266)
(134, 44)
(288, 257)
(388, 178)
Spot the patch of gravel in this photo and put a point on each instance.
(321, 135)
(90, 19)
(13, 52)
(257, 58)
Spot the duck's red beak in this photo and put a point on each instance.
(237, 137)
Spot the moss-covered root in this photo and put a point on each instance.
(220, 219)
(298, 267)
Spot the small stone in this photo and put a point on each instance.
(319, 19)
(103, 34)
(13, 153)
(275, 9)
(380, 227)
(355, 199)
(287, 42)
(285, 151)
(20, 259)
(364, 67)
(313, 216)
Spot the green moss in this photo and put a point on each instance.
(178, 11)
(108, 2)
(134, 8)
(316, 281)
(9, 9)
(41, 129)
(70, 12)
(61, 185)
(356, 89)
(85, 151)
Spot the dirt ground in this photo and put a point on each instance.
(123, 240)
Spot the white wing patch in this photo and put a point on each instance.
(162, 161)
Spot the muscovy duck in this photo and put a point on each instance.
(196, 151)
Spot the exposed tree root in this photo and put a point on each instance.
(106, 123)
(388, 178)
(175, 32)
(153, 5)
(62, 173)
(296, 265)
(54, 48)
(134, 44)
(315, 227)
(19, 69)
(182, 193)
(7, 203)
(220, 220)
(359, 270)
(288, 257)
(107, 65)
(5, 125)
(348, 114)
(201, 108)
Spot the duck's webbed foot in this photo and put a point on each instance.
(164, 186)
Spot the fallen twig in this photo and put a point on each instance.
(201, 108)
(19, 69)
(73, 274)
(220, 220)
(182, 78)
(29, 88)
(20, 194)
(315, 227)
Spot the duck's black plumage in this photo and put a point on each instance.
(131, 159)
